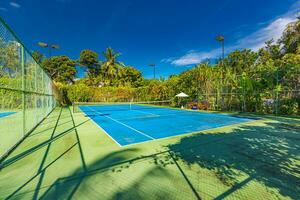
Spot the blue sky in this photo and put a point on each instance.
(173, 34)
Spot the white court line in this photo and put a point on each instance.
(104, 131)
(152, 116)
(152, 138)
(184, 134)
(107, 133)
(181, 135)
(146, 112)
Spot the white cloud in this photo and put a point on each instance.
(272, 30)
(3, 9)
(14, 4)
(194, 57)
(168, 60)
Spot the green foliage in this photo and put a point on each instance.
(38, 57)
(60, 68)
(79, 93)
(9, 59)
(89, 59)
(111, 68)
(109, 72)
(240, 60)
(291, 37)
(130, 76)
(82, 93)
(265, 81)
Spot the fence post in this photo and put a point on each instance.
(36, 89)
(276, 103)
(244, 96)
(23, 88)
(216, 101)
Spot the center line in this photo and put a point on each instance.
(146, 113)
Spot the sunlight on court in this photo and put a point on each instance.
(134, 123)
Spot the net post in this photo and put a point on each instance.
(73, 107)
(130, 105)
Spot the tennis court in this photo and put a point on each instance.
(129, 123)
(5, 114)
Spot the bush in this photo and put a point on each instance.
(78, 93)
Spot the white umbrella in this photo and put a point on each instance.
(182, 95)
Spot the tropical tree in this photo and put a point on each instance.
(60, 68)
(241, 60)
(291, 37)
(89, 59)
(38, 57)
(130, 76)
(264, 81)
(111, 66)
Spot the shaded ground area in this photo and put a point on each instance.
(69, 157)
(247, 160)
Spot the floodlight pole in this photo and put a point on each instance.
(153, 65)
(220, 38)
(277, 93)
(223, 56)
(49, 46)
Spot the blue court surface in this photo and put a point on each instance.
(139, 123)
(5, 114)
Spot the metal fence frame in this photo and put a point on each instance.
(50, 90)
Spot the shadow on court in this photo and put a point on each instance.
(114, 177)
(117, 175)
(202, 166)
(266, 154)
(43, 144)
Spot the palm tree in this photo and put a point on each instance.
(111, 66)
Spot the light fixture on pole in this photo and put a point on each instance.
(49, 46)
(220, 38)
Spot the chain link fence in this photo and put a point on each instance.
(285, 102)
(26, 91)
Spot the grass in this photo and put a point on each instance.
(68, 156)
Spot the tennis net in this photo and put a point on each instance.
(118, 106)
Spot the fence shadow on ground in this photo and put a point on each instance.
(37, 147)
(111, 172)
(268, 154)
(65, 188)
